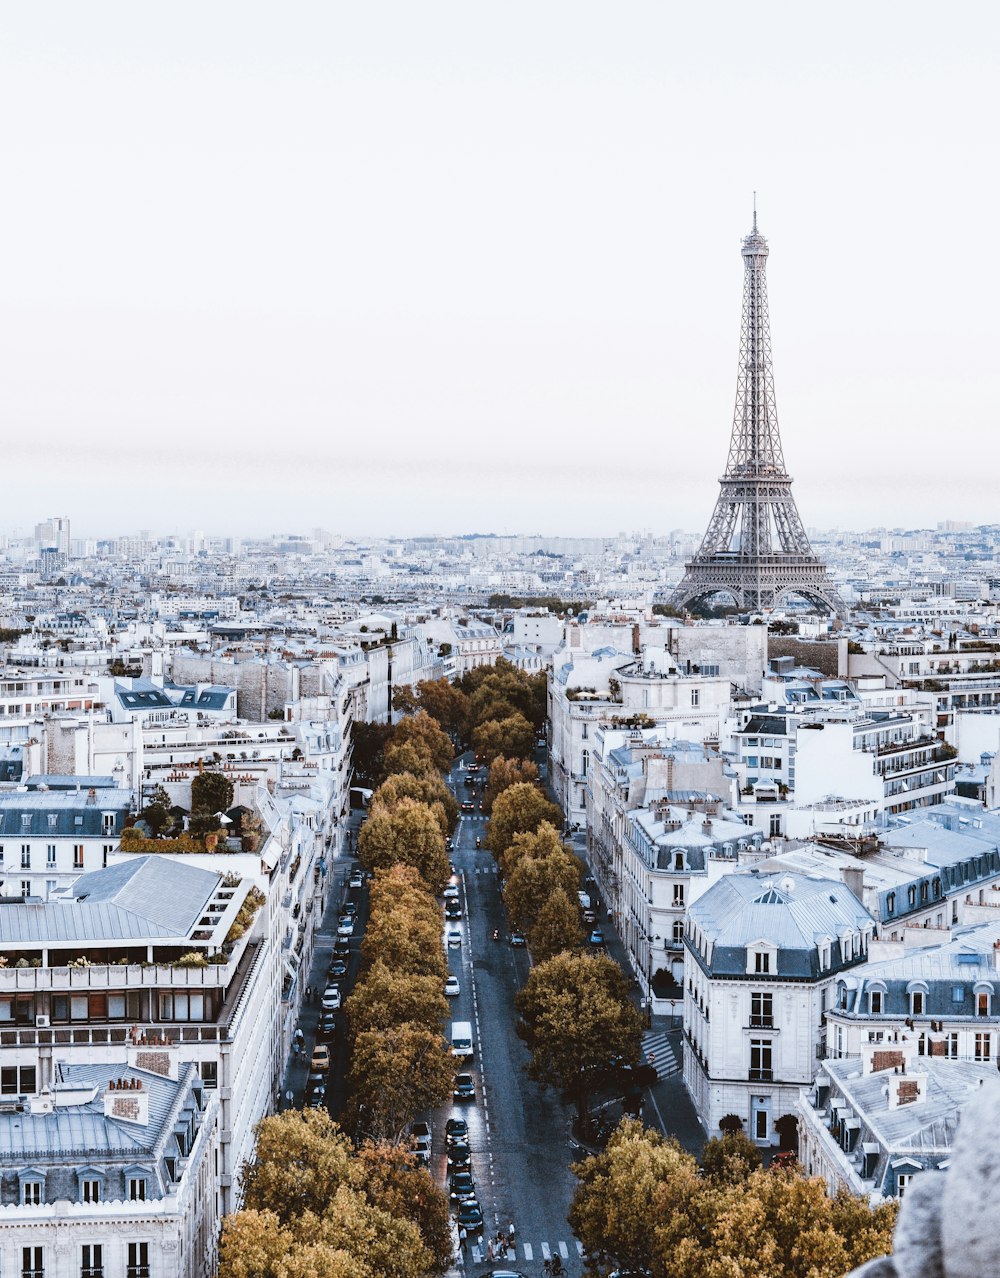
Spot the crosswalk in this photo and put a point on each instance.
(528, 1251)
(663, 1051)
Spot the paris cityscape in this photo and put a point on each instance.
(480, 795)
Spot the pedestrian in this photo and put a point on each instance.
(490, 1253)
(296, 1048)
(462, 1238)
(510, 1232)
(309, 993)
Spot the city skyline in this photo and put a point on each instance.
(239, 253)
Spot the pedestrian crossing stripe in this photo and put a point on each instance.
(527, 1251)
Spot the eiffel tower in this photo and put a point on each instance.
(756, 549)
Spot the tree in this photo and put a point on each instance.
(403, 940)
(642, 1204)
(368, 756)
(534, 879)
(301, 1157)
(577, 1020)
(429, 789)
(503, 774)
(446, 703)
(421, 727)
(211, 792)
(394, 1182)
(530, 845)
(390, 996)
(396, 1072)
(156, 813)
(520, 809)
(512, 737)
(407, 834)
(401, 887)
(729, 1159)
(556, 928)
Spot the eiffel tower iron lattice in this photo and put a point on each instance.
(756, 549)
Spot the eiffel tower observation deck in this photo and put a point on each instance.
(756, 550)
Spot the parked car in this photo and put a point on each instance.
(453, 910)
(456, 1130)
(327, 1025)
(589, 917)
(350, 908)
(421, 1147)
(470, 1216)
(342, 946)
(315, 1098)
(517, 939)
(461, 1186)
(316, 1081)
(356, 880)
(320, 1058)
(419, 1129)
(337, 968)
(452, 988)
(597, 937)
(465, 1088)
(345, 925)
(331, 999)
(454, 938)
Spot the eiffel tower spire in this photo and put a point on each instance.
(756, 549)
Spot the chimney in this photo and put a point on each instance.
(636, 643)
(91, 797)
(907, 1089)
(854, 879)
(127, 1101)
(996, 956)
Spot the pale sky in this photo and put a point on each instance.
(441, 267)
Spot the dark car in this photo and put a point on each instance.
(338, 968)
(459, 1156)
(470, 781)
(349, 908)
(468, 806)
(342, 946)
(316, 1098)
(327, 1025)
(461, 1186)
(453, 910)
(465, 1088)
(597, 937)
(456, 1131)
(517, 939)
(470, 1216)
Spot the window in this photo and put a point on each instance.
(958, 994)
(182, 1007)
(90, 1190)
(762, 961)
(762, 1010)
(679, 894)
(982, 1003)
(774, 825)
(25, 856)
(695, 697)
(917, 1003)
(17, 1080)
(875, 1002)
(32, 1193)
(209, 1071)
(137, 1189)
(92, 1260)
(951, 1046)
(50, 856)
(107, 823)
(890, 903)
(32, 1262)
(77, 856)
(138, 1260)
(760, 1060)
(678, 932)
(25, 887)
(984, 1044)
(902, 1180)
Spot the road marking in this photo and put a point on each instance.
(528, 1253)
(564, 1251)
(546, 1252)
(579, 1246)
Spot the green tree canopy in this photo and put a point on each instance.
(407, 834)
(503, 774)
(521, 809)
(211, 792)
(512, 736)
(577, 1020)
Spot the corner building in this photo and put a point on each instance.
(762, 956)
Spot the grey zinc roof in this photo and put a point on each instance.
(170, 894)
(791, 911)
(73, 813)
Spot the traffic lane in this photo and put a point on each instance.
(529, 1128)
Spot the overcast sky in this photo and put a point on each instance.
(443, 267)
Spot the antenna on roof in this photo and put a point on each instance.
(755, 212)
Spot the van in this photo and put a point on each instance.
(461, 1039)
(584, 900)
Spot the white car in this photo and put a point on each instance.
(346, 925)
(452, 988)
(454, 938)
(451, 892)
(331, 999)
(356, 880)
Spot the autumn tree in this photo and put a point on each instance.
(390, 996)
(393, 1181)
(301, 1157)
(369, 741)
(642, 1204)
(412, 757)
(407, 834)
(511, 736)
(429, 789)
(576, 1019)
(534, 879)
(442, 700)
(531, 845)
(729, 1159)
(406, 942)
(556, 927)
(503, 774)
(397, 1071)
(420, 727)
(520, 809)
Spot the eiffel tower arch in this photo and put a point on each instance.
(756, 550)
